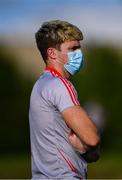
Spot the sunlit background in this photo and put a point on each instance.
(99, 84)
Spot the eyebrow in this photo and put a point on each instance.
(76, 47)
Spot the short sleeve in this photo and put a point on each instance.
(62, 94)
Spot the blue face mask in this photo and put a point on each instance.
(75, 62)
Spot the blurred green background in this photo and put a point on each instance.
(99, 84)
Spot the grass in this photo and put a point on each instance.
(17, 166)
(109, 166)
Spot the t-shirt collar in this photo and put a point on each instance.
(53, 71)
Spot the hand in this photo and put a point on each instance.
(76, 143)
(92, 155)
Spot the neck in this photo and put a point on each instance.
(60, 69)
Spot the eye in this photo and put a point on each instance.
(75, 48)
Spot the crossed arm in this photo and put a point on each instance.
(84, 135)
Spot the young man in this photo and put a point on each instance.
(61, 132)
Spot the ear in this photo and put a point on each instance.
(51, 53)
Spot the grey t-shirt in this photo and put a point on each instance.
(53, 157)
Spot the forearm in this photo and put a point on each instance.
(89, 153)
(78, 120)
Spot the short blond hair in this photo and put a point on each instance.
(53, 33)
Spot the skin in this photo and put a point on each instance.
(84, 133)
(57, 58)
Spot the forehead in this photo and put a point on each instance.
(70, 44)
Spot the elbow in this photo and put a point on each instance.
(95, 141)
